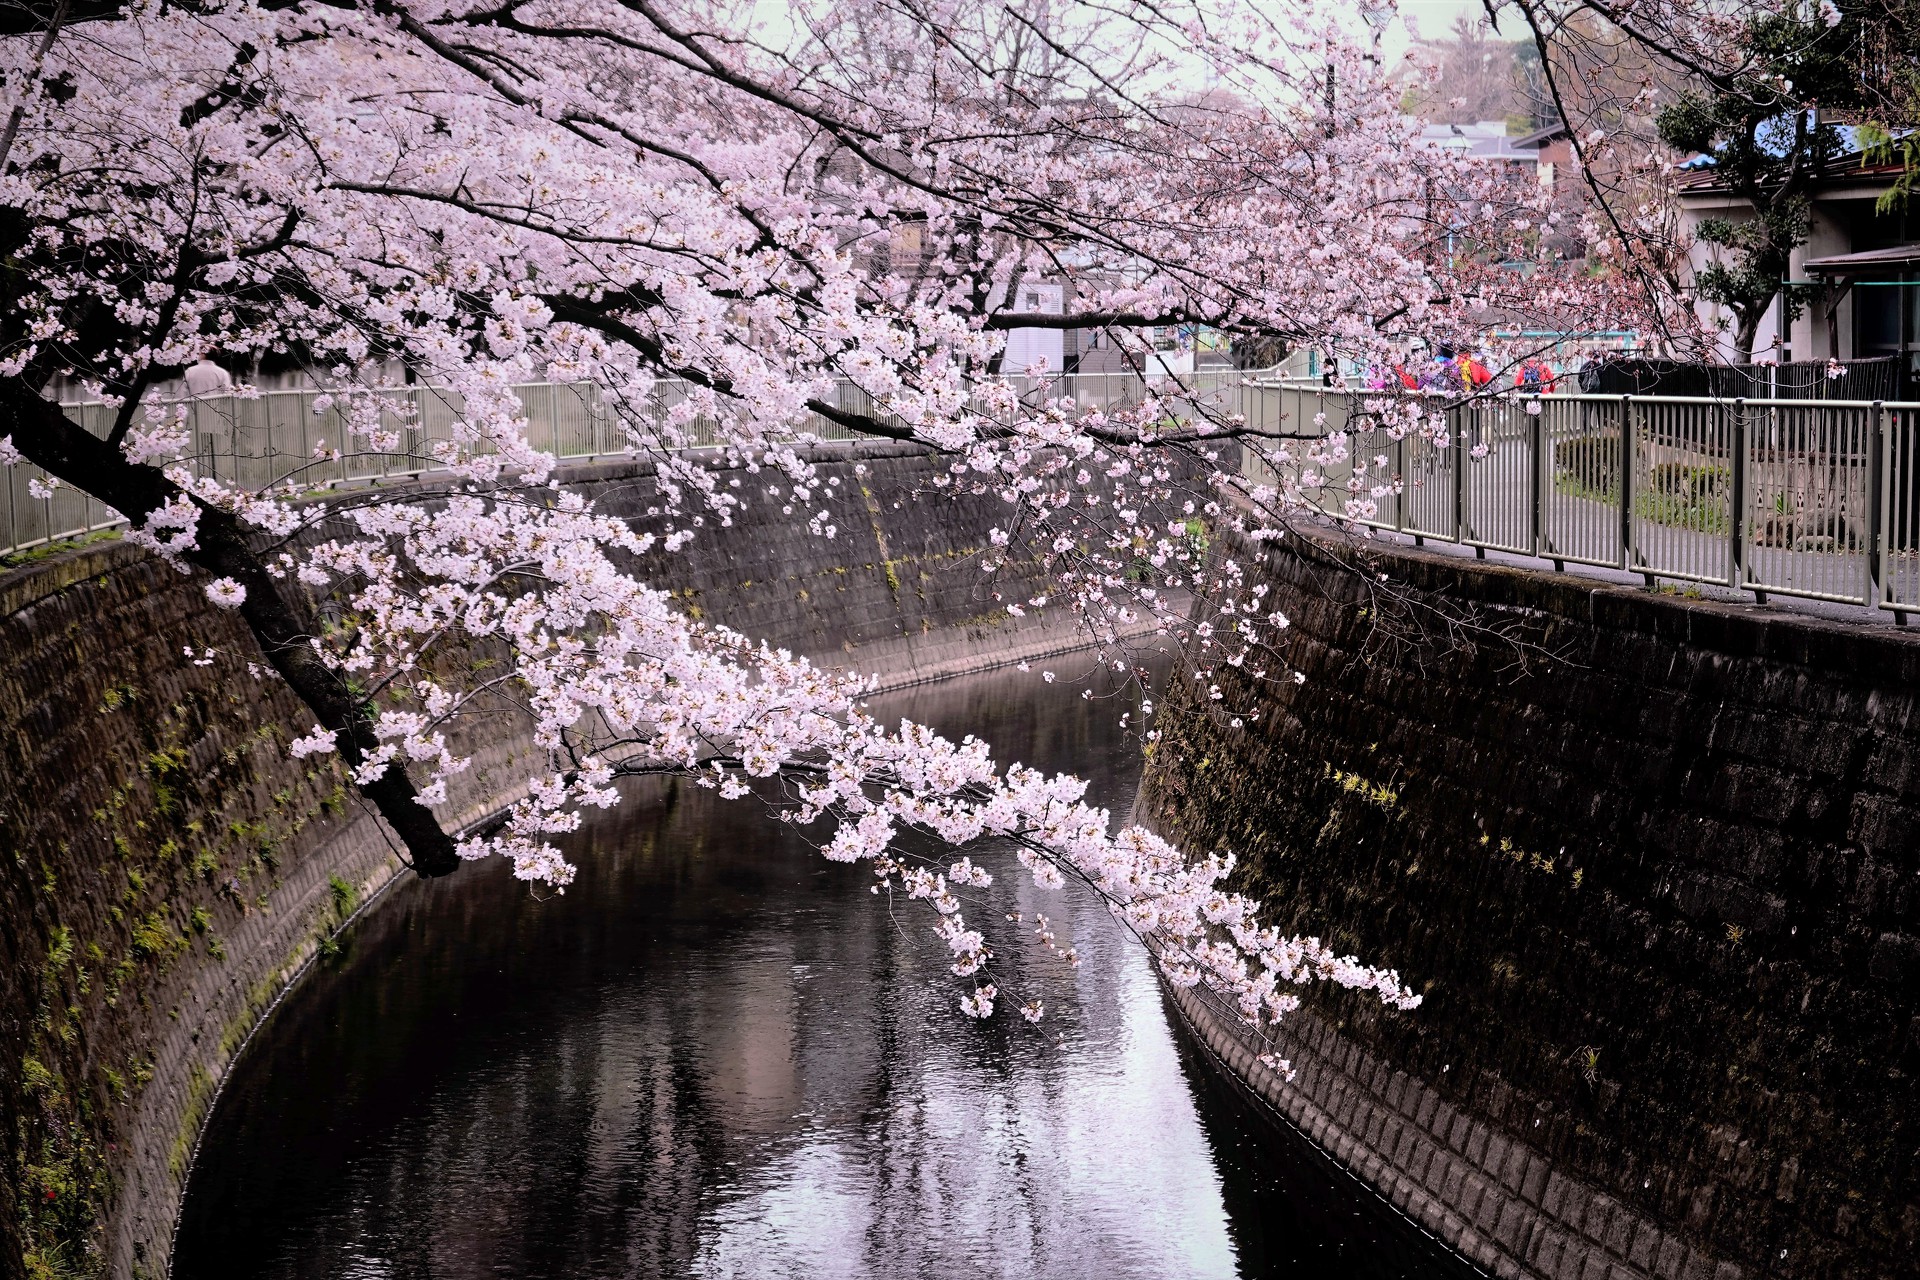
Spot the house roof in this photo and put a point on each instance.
(1846, 264)
(1541, 136)
(1850, 163)
(1483, 140)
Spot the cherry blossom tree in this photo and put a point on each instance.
(644, 193)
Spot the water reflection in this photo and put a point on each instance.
(719, 1055)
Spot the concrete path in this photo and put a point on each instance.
(1498, 493)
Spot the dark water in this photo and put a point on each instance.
(719, 1055)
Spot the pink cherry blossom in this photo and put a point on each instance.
(730, 233)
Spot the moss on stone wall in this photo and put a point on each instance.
(1662, 892)
(185, 827)
(166, 869)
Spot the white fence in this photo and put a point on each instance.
(1795, 497)
(272, 438)
(1791, 497)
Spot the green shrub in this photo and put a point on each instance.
(1682, 495)
(1685, 480)
(155, 937)
(1588, 466)
(344, 896)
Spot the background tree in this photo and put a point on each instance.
(1764, 133)
(1468, 76)
(1888, 62)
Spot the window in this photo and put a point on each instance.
(905, 241)
(1884, 320)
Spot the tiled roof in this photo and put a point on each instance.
(1841, 264)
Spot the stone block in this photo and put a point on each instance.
(1512, 1223)
(1895, 960)
(1645, 1245)
(1453, 1184)
(1595, 1266)
(1554, 1201)
(1545, 1251)
(1404, 1143)
(1533, 1180)
(1698, 1266)
(1420, 1160)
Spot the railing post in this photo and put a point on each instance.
(1538, 538)
(306, 445)
(1737, 499)
(1626, 482)
(1877, 507)
(1400, 481)
(1460, 447)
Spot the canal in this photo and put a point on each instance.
(718, 1055)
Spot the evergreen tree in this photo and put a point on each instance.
(1770, 130)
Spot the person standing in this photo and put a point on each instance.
(205, 378)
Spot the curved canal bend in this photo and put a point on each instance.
(719, 1055)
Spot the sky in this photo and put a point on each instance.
(1433, 17)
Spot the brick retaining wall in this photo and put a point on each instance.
(1660, 883)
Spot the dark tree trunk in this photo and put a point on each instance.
(1747, 329)
(63, 449)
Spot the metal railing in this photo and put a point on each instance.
(1816, 499)
(1792, 497)
(273, 437)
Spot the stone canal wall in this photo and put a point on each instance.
(166, 871)
(1655, 864)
